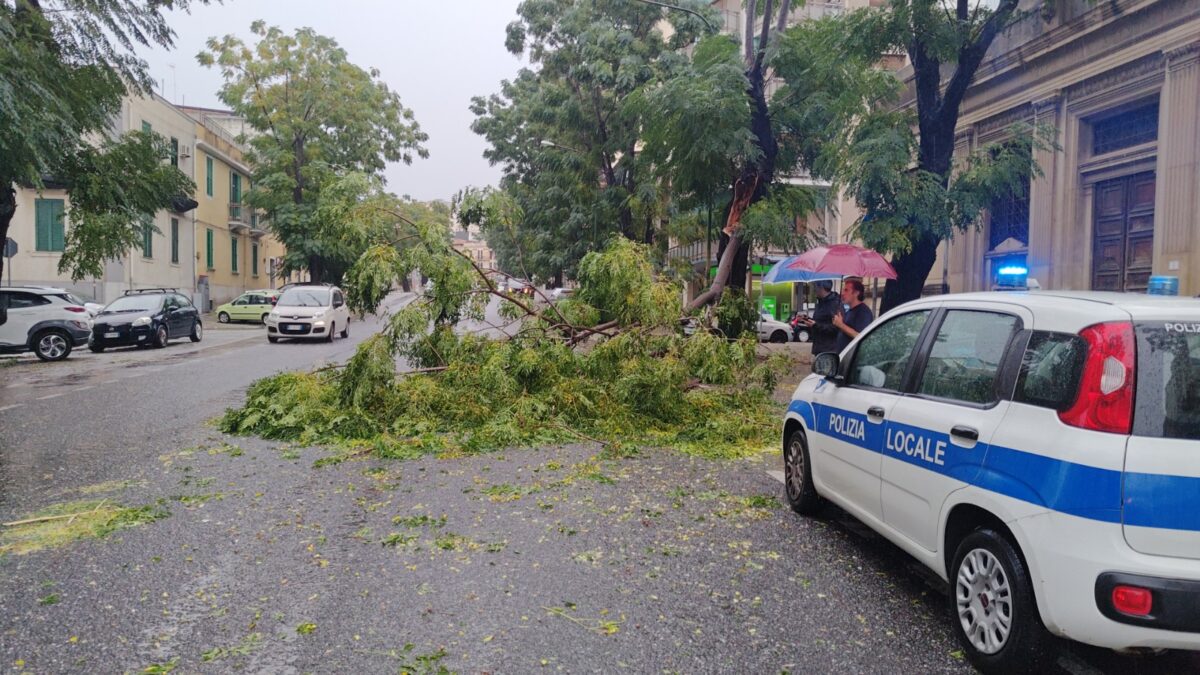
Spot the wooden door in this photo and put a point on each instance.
(1123, 234)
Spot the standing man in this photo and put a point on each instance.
(820, 325)
(857, 315)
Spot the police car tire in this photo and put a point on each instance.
(807, 502)
(1028, 645)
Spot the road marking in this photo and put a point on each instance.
(50, 396)
(10, 407)
(777, 475)
(90, 386)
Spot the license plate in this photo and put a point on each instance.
(295, 329)
(112, 335)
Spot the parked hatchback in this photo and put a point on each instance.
(1040, 452)
(309, 311)
(146, 318)
(46, 321)
(250, 306)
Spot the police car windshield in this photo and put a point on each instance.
(1168, 386)
(304, 297)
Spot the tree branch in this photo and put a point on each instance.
(971, 54)
(785, 10)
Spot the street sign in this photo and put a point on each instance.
(10, 247)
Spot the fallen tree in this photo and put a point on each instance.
(611, 365)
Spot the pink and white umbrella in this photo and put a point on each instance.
(844, 259)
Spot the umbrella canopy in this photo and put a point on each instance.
(844, 260)
(780, 272)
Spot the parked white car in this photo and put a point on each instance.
(309, 311)
(771, 329)
(1040, 452)
(46, 321)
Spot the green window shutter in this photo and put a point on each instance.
(42, 213)
(175, 152)
(58, 233)
(235, 188)
(175, 240)
(254, 259)
(208, 248)
(208, 178)
(147, 239)
(50, 234)
(146, 127)
(235, 248)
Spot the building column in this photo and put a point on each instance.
(1043, 193)
(1079, 276)
(964, 262)
(1177, 194)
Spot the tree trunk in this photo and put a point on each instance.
(912, 269)
(8, 208)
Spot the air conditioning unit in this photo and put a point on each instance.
(185, 151)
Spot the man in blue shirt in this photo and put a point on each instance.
(856, 316)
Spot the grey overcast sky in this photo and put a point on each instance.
(436, 55)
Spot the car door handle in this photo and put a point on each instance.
(876, 411)
(965, 433)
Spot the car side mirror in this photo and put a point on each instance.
(827, 365)
(338, 303)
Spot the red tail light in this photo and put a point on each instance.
(77, 310)
(1132, 600)
(1105, 401)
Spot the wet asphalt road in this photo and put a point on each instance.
(529, 560)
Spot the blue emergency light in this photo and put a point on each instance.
(1012, 277)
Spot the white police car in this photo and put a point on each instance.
(1040, 452)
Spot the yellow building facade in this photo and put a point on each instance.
(234, 251)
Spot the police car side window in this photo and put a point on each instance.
(881, 358)
(1050, 370)
(965, 359)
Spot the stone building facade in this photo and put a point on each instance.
(1118, 200)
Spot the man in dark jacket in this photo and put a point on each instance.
(820, 325)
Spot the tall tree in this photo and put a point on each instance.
(317, 117)
(64, 67)
(946, 42)
(564, 132)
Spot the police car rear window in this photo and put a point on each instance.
(1050, 370)
(1168, 380)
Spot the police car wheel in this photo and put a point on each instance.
(991, 596)
(797, 476)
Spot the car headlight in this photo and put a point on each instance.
(319, 323)
(142, 321)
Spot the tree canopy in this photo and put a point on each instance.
(64, 67)
(317, 117)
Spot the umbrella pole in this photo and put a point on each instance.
(875, 297)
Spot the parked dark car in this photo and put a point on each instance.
(145, 318)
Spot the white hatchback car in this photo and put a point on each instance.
(1040, 452)
(308, 311)
(771, 329)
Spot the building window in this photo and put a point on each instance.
(50, 231)
(146, 127)
(254, 259)
(235, 188)
(208, 176)
(1010, 217)
(147, 238)
(175, 241)
(208, 249)
(235, 252)
(175, 152)
(1125, 130)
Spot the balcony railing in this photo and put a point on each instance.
(695, 252)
